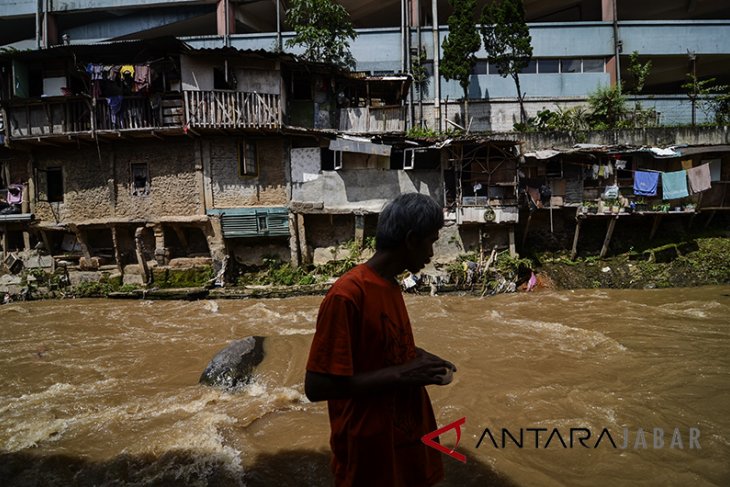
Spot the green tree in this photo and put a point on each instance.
(698, 89)
(639, 72)
(324, 29)
(507, 42)
(459, 47)
(608, 107)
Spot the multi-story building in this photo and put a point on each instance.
(211, 145)
(578, 45)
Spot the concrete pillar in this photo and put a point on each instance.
(207, 176)
(29, 195)
(609, 14)
(224, 10)
(217, 247)
(162, 254)
(117, 251)
(141, 260)
(296, 258)
(512, 247)
(303, 249)
(49, 34)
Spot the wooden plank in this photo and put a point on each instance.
(609, 234)
(173, 103)
(574, 250)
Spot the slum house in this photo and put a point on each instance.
(342, 173)
(642, 187)
(137, 151)
(338, 190)
(191, 166)
(480, 183)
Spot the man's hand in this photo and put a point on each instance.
(426, 369)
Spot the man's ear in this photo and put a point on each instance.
(411, 240)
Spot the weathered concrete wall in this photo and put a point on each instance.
(197, 74)
(174, 189)
(363, 189)
(98, 187)
(258, 81)
(655, 137)
(269, 188)
(250, 252)
(87, 192)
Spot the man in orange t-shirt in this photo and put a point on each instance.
(365, 363)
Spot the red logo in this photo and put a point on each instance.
(428, 439)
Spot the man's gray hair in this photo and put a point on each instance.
(410, 212)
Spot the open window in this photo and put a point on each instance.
(247, 159)
(53, 185)
(140, 179)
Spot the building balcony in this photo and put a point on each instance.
(373, 119)
(69, 116)
(80, 115)
(232, 109)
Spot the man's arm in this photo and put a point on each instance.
(425, 369)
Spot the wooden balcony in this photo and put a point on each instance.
(232, 109)
(373, 119)
(73, 115)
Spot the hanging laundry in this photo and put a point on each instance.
(715, 169)
(534, 194)
(645, 183)
(115, 110)
(113, 72)
(608, 172)
(142, 77)
(674, 185)
(95, 71)
(595, 169)
(687, 164)
(699, 178)
(620, 164)
(601, 171)
(127, 69)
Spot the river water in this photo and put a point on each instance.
(103, 392)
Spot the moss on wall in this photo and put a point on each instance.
(165, 278)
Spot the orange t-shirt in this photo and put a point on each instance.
(363, 326)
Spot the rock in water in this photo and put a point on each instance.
(233, 365)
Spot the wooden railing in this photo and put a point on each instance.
(52, 116)
(232, 109)
(76, 115)
(373, 119)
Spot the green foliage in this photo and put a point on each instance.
(721, 108)
(639, 72)
(324, 28)
(422, 132)
(460, 44)
(92, 289)
(507, 41)
(419, 72)
(607, 107)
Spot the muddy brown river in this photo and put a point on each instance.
(586, 388)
